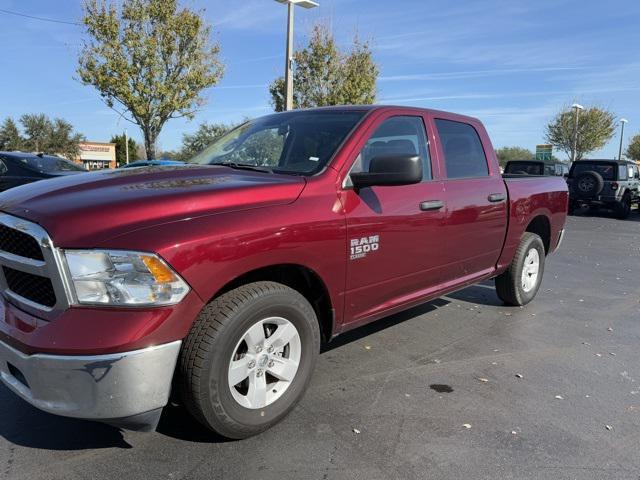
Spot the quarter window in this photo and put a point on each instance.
(463, 153)
(401, 135)
(3, 168)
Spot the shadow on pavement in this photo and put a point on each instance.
(24, 425)
(177, 423)
(604, 213)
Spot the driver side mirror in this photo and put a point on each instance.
(390, 170)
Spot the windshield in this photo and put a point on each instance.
(51, 164)
(606, 170)
(299, 142)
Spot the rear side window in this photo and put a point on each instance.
(3, 168)
(463, 153)
(622, 172)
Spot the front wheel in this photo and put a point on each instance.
(519, 284)
(249, 358)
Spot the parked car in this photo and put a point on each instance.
(19, 168)
(535, 167)
(152, 163)
(611, 184)
(220, 279)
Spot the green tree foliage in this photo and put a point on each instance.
(149, 60)
(507, 154)
(596, 126)
(324, 75)
(194, 143)
(121, 150)
(10, 138)
(633, 150)
(40, 134)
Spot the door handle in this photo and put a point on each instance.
(497, 197)
(431, 205)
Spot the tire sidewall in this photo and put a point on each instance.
(531, 242)
(215, 378)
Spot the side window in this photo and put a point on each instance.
(631, 172)
(463, 153)
(636, 172)
(622, 172)
(402, 135)
(3, 168)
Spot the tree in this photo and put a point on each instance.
(10, 138)
(596, 126)
(121, 149)
(149, 61)
(41, 134)
(633, 150)
(194, 143)
(507, 154)
(324, 75)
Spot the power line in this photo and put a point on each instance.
(9, 12)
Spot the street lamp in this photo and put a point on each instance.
(577, 107)
(288, 71)
(622, 122)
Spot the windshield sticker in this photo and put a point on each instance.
(361, 247)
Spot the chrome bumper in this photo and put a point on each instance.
(101, 387)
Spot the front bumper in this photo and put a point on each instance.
(110, 388)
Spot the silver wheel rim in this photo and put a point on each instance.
(530, 270)
(264, 362)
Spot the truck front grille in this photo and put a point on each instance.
(19, 243)
(30, 268)
(32, 287)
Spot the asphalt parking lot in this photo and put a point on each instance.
(391, 400)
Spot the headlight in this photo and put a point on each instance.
(111, 277)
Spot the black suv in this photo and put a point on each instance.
(19, 168)
(609, 184)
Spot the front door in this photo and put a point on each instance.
(394, 247)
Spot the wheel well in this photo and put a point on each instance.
(541, 227)
(303, 280)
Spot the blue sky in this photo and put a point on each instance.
(511, 63)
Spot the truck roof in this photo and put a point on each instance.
(378, 107)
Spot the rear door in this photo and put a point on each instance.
(475, 196)
(395, 243)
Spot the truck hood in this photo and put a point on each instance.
(87, 209)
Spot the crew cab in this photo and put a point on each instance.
(611, 184)
(20, 168)
(217, 281)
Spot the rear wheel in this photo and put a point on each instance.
(623, 209)
(249, 358)
(519, 284)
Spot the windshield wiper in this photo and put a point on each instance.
(244, 166)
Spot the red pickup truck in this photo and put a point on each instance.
(217, 281)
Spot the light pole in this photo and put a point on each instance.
(288, 71)
(126, 144)
(622, 122)
(577, 107)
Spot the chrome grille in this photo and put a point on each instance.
(30, 268)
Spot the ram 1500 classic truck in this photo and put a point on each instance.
(218, 280)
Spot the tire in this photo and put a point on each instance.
(623, 209)
(221, 331)
(588, 184)
(509, 284)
